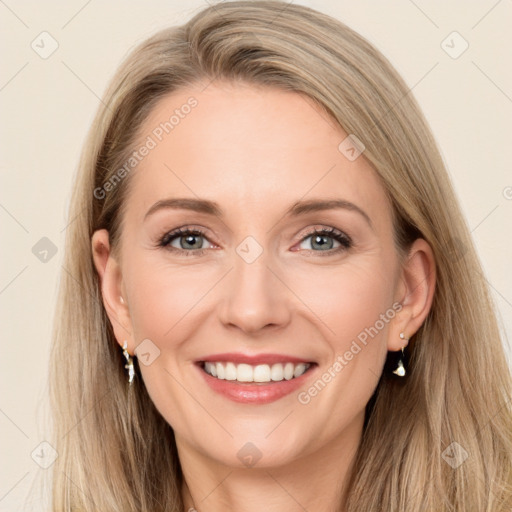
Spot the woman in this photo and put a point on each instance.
(271, 300)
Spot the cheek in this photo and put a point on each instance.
(165, 307)
(355, 305)
(348, 298)
(162, 297)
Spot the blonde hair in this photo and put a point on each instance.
(116, 452)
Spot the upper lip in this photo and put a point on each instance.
(255, 359)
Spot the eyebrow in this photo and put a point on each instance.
(298, 208)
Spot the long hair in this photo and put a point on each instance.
(116, 452)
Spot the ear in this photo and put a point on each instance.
(112, 289)
(415, 293)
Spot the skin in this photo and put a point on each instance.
(256, 151)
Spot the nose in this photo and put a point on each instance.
(255, 297)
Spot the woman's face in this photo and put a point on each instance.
(255, 246)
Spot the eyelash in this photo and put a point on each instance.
(343, 239)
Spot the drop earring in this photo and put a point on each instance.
(129, 363)
(400, 369)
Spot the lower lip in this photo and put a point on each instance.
(251, 393)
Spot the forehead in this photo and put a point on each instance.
(250, 148)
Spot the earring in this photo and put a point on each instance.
(400, 369)
(129, 363)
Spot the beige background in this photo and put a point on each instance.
(48, 104)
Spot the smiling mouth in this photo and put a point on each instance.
(260, 373)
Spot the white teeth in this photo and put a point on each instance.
(276, 373)
(299, 370)
(221, 374)
(211, 368)
(244, 373)
(288, 371)
(230, 373)
(259, 373)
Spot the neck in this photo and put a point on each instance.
(313, 482)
